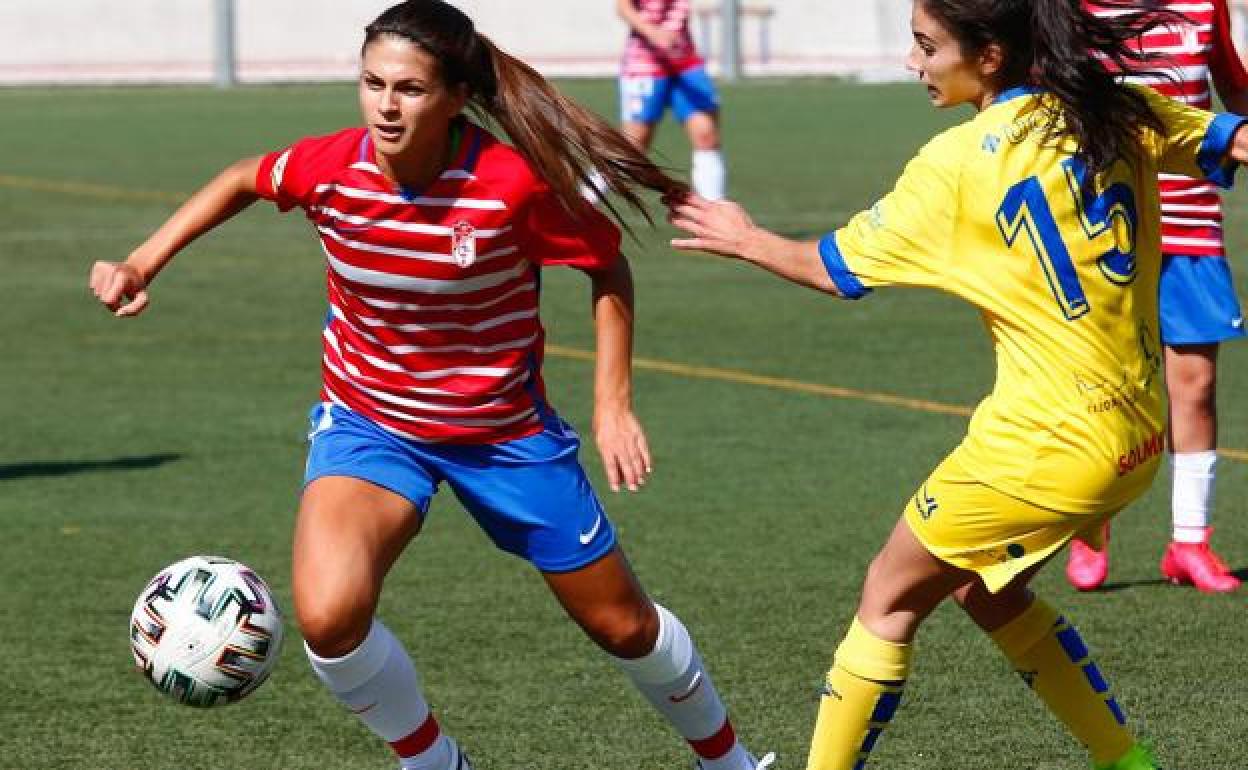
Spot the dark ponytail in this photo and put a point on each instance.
(564, 142)
(1068, 51)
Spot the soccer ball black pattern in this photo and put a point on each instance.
(206, 631)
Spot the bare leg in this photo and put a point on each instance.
(1191, 384)
(904, 583)
(641, 134)
(653, 648)
(348, 535)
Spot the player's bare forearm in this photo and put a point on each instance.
(633, 18)
(723, 227)
(613, 326)
(619, 435)
(233, 190)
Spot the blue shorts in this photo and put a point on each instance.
(643, 99)
(1197, 303)
(531, 495)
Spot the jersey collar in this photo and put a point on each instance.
(1016, 92)
(467, 137)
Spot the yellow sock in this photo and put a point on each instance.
(1051, 657)
(862, 693)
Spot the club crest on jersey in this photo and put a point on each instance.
(463, 243)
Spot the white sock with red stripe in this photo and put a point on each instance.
(1192, 496)
(378, 683)
(676, 683)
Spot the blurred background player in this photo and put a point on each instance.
(1199, 308)
(661, 68)
(435, 234)
(1041, 211)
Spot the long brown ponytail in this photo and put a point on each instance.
(564, 142)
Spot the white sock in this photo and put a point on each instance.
(710, 177)
(676, 683)
(378, 683)
(1192, 494)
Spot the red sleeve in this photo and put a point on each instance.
(1224, 61)
(289, 177)
(589, 241)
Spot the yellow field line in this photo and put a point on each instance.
(779, 383)
(89, 190)
(109, 192)
(798, 386)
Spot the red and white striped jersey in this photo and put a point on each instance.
(1194, 52)
(642, 59)
(433, 327)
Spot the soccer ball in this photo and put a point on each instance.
(206, 631)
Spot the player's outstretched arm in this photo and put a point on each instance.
(617, 432)
(122, 286)
(725, 228)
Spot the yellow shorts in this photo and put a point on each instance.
(971, 525)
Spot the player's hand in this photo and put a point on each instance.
(719, 227)
(663, 39)
(119, 287)
(622, 444)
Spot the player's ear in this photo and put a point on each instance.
(991, 60)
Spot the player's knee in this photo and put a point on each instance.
(625, 632)
(1194, 390)
(703, 134)
(333, 628)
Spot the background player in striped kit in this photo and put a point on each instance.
(1199, 309)
(434, 234)
(661, 68)
(1042, 212)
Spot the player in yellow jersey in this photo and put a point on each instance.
(1042, 212)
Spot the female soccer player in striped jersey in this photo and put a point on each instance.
(1042, 212)
(1199, 309)
(435, 233)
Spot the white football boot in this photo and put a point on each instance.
(757, 764)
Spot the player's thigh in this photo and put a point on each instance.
(1191, 371)
(364, 497)
(904, 583)
(348, 534)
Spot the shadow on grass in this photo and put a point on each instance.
(1123, 585)
(48, 470)
(1241, 573)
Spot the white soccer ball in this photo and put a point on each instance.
(206, 631)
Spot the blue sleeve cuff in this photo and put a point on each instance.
(1213, 149)
(846, 282)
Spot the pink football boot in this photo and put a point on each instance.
(1087, 568)
(1197, 564)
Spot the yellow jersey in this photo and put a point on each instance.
(1065, 278)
